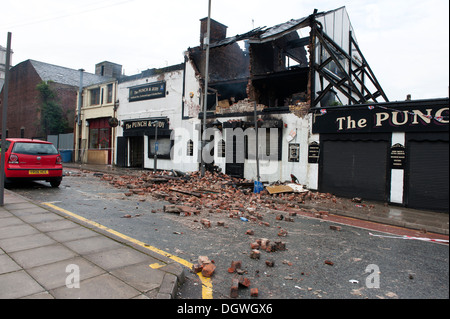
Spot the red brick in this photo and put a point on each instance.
(283, 233)
(234, 292)
(255, 254)
(264, 243)
(197, 268)
(244, 282)
(206, 223)
(208, 270)
(254, 292)
(270, 263)
(280, 246)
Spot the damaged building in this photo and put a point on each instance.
(321, 116)
(280, 73)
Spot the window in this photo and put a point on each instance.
(165, 145)
(99, 134)
(34, 149)
(109, 91)
(95, 96)
(221, 152)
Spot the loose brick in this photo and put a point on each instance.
(334, 227)
(270, 263)
(254, 245)
(206, 223)
(197, 268)
(250, 232)
(208, 270)
(282, 233)
(270, 248)
(202, 260)
(264, 243)
(254, 292)
(244, 282)
(255, 254)
(234, 266)
(234, 291)
(280, 246)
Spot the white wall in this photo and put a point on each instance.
(170, 107)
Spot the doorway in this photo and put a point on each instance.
(137, 152)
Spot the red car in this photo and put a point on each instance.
(27, 159)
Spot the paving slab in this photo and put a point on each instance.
(42, 255)
(54, 275)
(117, 258)
(17, 231)
(64, 235)
(92, 245)
(7, 264)
(105, 286)
(18, 284)
(26, 242)
(140, 276)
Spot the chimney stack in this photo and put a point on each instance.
(218, 31)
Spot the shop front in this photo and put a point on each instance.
(100, 137)
(143, 139)
(394, 152)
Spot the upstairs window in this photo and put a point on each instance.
(95, 96)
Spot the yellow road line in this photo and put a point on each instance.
(206, 282)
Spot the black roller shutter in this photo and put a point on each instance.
(428, 175)
(355, 169)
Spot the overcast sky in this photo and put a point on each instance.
(406, 42)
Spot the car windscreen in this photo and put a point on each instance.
(34, 149)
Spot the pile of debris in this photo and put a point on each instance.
(215, 192)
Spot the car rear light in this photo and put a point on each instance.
(13, 159)
(58, 160)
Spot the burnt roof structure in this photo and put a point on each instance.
(281, 66)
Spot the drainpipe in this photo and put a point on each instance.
(80, 98)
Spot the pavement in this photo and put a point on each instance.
(47, 254)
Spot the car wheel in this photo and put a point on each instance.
(55, 183)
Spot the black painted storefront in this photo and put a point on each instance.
(131, 146)
(357, 157)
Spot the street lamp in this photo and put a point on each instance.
(205, 103)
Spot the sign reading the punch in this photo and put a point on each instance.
(369, 119)
(148, 91)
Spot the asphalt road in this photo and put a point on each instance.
(319, 263)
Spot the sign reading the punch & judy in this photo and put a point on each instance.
(148, 91)
(383, 118)
(145, 126)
